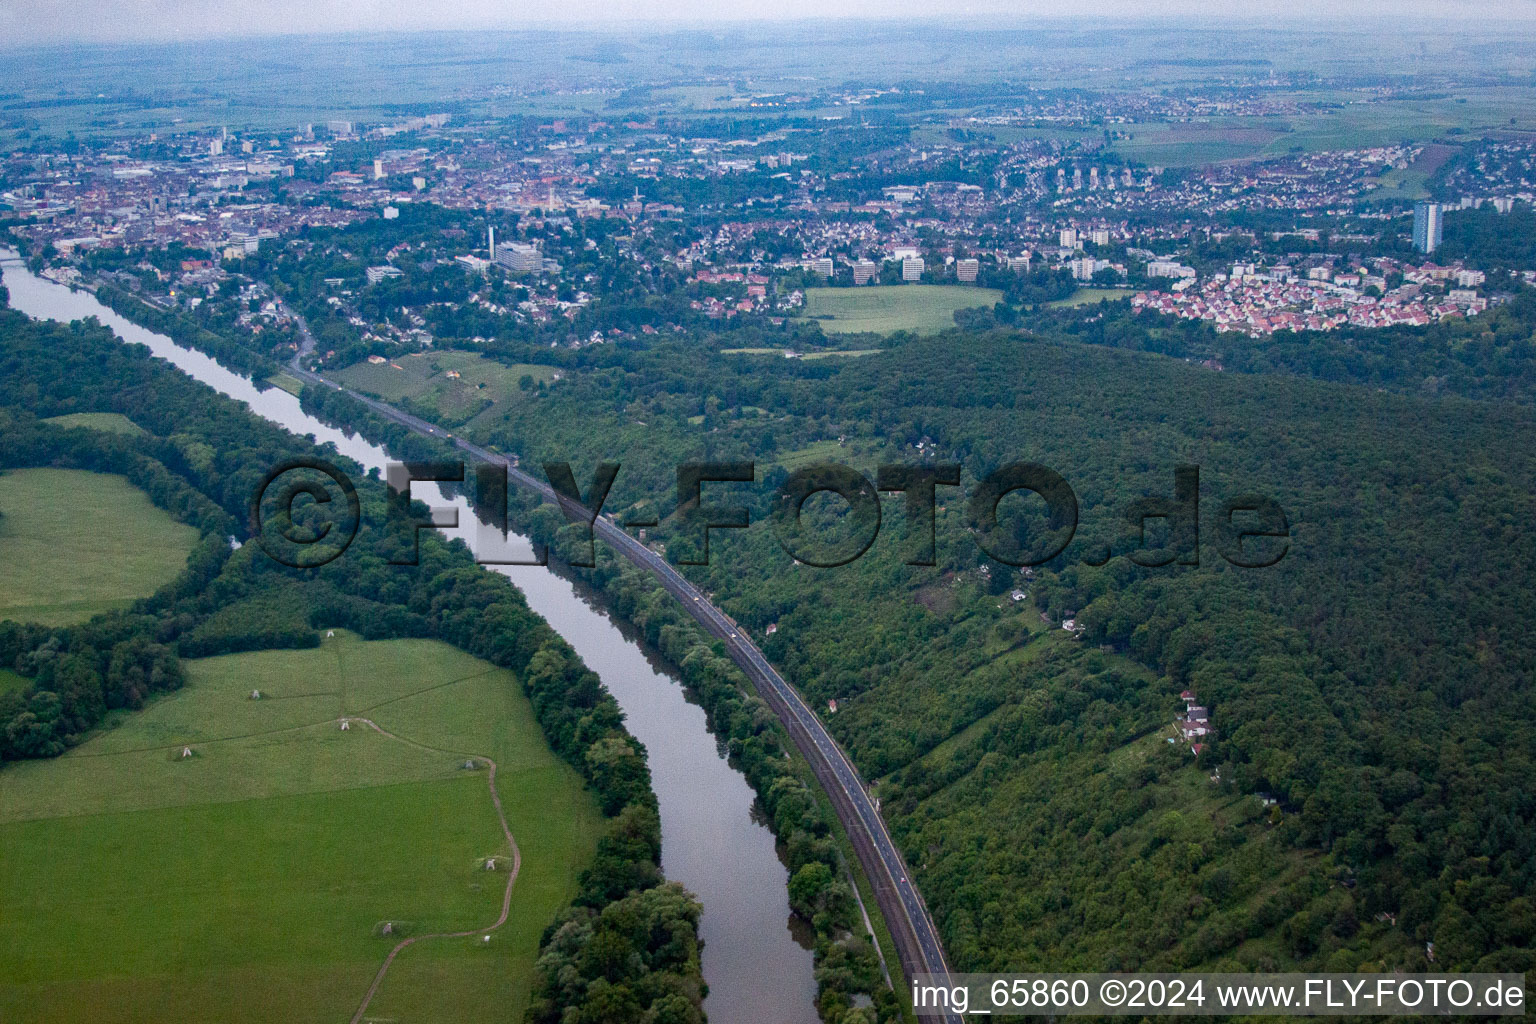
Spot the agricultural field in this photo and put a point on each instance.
(74, 544)
(1183, 145)
(883, 309)
(251, 881)
(110, 422)
(483, 392)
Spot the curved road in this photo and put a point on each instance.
(911, 926)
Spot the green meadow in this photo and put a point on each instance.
(250, 881)
(883, 309)
(1088, 296)
(110, 422)
(74, 544)
(482, 393)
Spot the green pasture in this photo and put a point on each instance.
(110, 422)
(483, 393)
(249, 881)
(74, 544)
(883, 309)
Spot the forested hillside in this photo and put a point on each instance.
(1366, 788)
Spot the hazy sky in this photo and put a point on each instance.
(45, 21)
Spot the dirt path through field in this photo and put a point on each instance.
(506, 899)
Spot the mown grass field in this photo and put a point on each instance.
(74, 544)
(482, 394)
(111, 422)
(287, 382)
(1088, 296)
(248, 882)
(882, 309)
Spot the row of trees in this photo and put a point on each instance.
(819, 891)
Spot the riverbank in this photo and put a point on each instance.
(710, 842)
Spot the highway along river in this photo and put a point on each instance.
(757, 967)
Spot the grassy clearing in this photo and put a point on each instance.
(852, 353)
(246, 883)
(1089, 296)
(812, 454)
(10, 682)
(482, 393)
(849, 353)
(287, 382)
(74, 544)
(110, 422)
(882, 309)
(1412, 181)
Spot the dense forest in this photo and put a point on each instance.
(1365, 792)
(628, 947)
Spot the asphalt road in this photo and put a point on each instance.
(916, 938)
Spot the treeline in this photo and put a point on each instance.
(215, 452)
(847, 964)
(1486, 238)
(186, 331)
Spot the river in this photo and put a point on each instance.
(756, 960)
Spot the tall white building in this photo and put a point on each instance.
(1427, 219)
(1085, 268)
(865, 271)
(966, 270)
(912, 268)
